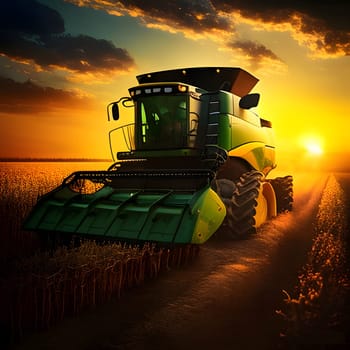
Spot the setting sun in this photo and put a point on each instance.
(313, 147)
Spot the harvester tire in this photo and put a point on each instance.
(240, 199)
(283, 187)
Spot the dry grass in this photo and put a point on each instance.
(316, 309)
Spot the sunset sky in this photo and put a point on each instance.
(62, 62)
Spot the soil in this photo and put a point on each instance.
(227, 298)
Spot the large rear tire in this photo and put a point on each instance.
(246, 205)
(283, 187)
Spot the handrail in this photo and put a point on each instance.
(128, 132)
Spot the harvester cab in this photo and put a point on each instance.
(194, 160)
(173, 110)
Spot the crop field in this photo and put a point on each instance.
(39, 289)
(319, 303)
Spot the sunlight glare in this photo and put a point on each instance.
(314, 147)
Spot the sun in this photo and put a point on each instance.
(313, 147)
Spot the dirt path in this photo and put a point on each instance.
(227, 298)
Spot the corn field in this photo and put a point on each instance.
(324, 281)
(38, 289)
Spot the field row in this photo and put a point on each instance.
(323, 282)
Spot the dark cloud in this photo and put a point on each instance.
(181, 15)
(29, 18)
(194, 14)
(193, 17)
(32, 31)
(76, 53)
(255, 52)
(328, 21)
(84, 53)
(332, 13)
(28, 97)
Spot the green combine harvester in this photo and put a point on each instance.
(194, 162)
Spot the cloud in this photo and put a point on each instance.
(28, 97)
(73, 53)
(29, 17)
(323, 27)
(256, 54)
(34, 33)
(194, 18)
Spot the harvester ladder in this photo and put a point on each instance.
(213, 123)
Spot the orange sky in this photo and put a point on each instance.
(57, 75)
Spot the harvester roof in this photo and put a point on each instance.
(231, 79)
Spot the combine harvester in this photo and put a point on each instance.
(194, 163)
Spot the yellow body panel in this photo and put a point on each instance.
(257, 154)
(211, 213)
